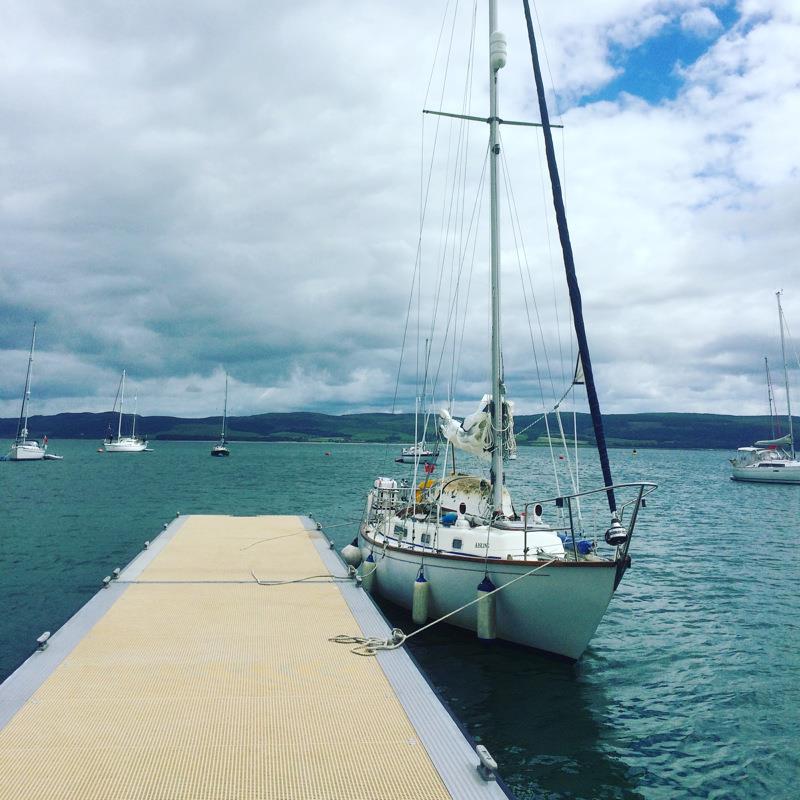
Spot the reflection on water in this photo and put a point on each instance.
(689, 689)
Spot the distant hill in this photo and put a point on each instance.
(674, 430)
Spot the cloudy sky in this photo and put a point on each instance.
(193, 187)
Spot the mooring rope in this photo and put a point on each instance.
(351, 573)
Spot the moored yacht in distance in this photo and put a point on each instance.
(25, 449)
(220, 449)
(770, 460)
(120, 443)
(767, 461)
(417, 452)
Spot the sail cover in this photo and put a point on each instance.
(474, 435)
(784, 441)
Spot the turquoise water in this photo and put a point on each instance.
(691, 687)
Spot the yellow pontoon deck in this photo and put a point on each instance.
(205, 671)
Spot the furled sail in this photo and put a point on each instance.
(784, 441)
(474, 435)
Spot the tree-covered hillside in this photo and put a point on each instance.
(622, 430)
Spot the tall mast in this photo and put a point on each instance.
(225, 407)
(135, 404)
(497, 60)
(569, 267)
(769, 398)
(121, 404)
(785, 371)
(22, 425)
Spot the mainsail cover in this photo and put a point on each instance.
(474, 435)
(784, 441)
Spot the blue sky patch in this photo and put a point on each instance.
(648, 71)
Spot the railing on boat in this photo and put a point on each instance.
(535, 508)
(389, 499)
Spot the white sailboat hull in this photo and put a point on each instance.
(419, 452)
(26, 451)
(410, 459)
(773, 472)
(125, 445)
(555, 610)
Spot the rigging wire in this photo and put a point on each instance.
(464, 242)
(558, 114)
(514, 213)
(453, 213)
(452, 320)
(519, 245)
(424, 198)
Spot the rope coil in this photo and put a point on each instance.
(369, 646)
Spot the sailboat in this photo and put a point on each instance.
(771, 460)
(417, 452)
(120, 443)
(221, 447)
(25, 449)
(456, 546)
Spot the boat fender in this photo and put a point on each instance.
(487, 613)
(419, 603)
(368, 567)
(449, 518)
(616, 535)
(487, 766)
(351, 553)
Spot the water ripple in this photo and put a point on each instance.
(689, 689)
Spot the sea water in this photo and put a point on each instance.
(690, 688)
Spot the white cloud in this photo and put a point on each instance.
(701, 22)
(187, 189)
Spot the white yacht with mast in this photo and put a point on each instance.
(417, 452)
(454, 545)
(220, 449)
(771, 460)
(25, 449)
(119, 443)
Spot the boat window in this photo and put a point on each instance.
(426, 538)
(772, 466)
(457, 544)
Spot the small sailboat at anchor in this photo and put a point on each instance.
(417, 452)
(771, 460)
(456, 544)
(25, 449)
(122, 443)
(220, 449)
